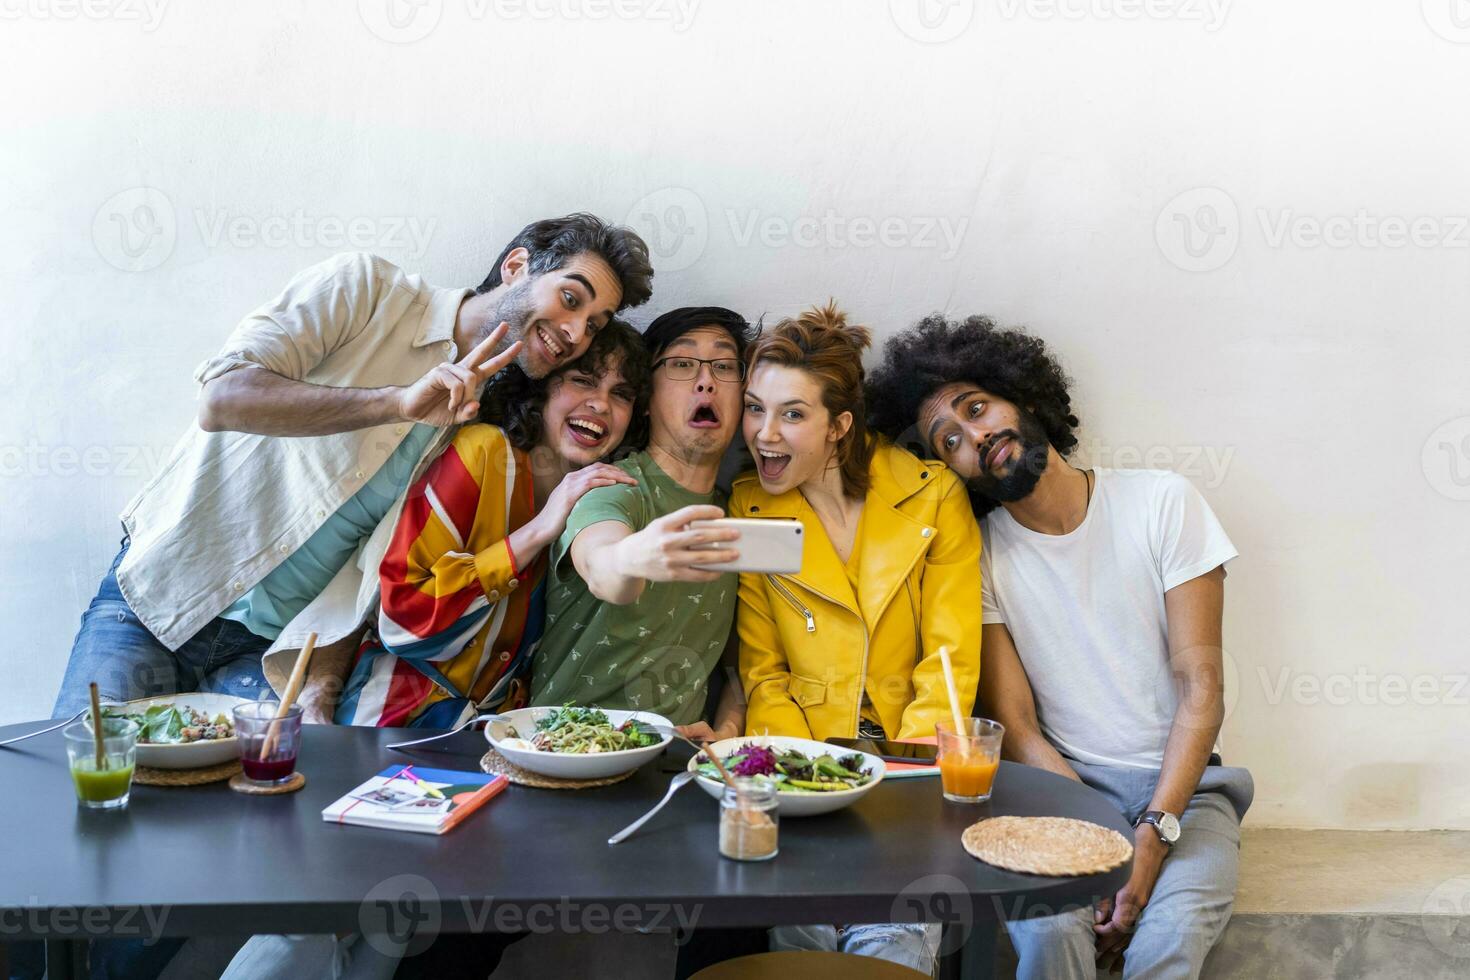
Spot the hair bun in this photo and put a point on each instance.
(830, 319)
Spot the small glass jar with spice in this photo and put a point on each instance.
(749, 821)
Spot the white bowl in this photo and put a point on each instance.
(188, 755)
(796, 804)
(565, 765)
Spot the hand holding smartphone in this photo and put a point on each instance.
(766, 546)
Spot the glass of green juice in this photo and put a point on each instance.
(105, 786)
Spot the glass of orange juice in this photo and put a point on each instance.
(968, 759)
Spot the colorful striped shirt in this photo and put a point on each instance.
(460, 617)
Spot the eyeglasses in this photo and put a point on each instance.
(687, 368)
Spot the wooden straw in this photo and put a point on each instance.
(97, 728)
(293, 688)
(954, 697)
(720, 767)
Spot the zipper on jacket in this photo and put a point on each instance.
(811, 627)
(811, 622)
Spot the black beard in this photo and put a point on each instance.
(1022, 471)
(515, 309)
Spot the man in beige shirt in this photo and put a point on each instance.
(270, 518)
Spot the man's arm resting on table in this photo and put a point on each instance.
(1005, 693)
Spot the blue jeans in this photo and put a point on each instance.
(115, 649)
(910, 944)
(1191, 901)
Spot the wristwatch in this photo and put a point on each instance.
(1164, 822)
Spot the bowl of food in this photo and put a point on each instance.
(182, 731)
(578, 743)
(810, 777)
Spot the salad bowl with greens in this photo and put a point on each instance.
(810, 777)
(182, 731)
(578, 743)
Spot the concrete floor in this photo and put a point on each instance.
(1333, 904)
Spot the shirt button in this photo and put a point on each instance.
(504, 656)
(494, 594)
(513, 583)
(285, 549)
(358, 474)
(448, 345)
(321, 513)
(926, 532)
(238, 586)
(398, 430)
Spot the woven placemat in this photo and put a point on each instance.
(148, 776)
(496, 764)
(242, 785)
(1055, 846)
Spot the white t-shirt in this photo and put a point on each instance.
(1086, 610)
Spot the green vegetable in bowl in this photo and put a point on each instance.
(169, 724)
(583, 731)
(792, 771)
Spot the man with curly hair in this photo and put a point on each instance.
(1103, 592)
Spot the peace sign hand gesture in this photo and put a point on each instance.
(449, 393)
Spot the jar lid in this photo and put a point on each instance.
(752, 791)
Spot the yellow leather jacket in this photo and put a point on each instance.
(810, 648)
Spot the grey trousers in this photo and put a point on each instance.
(1191, 901)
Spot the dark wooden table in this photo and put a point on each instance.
(205, 860)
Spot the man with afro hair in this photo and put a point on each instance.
(1103, 593)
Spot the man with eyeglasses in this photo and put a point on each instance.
(632, 622)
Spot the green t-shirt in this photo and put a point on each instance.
(656, 654)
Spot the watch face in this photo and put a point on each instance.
(1169, 827)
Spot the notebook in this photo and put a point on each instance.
(399, 798)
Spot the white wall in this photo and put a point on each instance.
(1317, 394)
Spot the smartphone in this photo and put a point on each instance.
(915, 752)
(772, 545)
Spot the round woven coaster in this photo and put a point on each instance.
(242, 785)
(148, 776)
(1055, 846)
(495, 763)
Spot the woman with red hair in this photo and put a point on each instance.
(850, 645)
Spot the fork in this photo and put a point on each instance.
(43, 731)
(434, 738)
(677, 783)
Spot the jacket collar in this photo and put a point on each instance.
(892, 541)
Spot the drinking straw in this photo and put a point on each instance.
(954, 698)
(293, 688)
(97, 728)
(720, 766)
